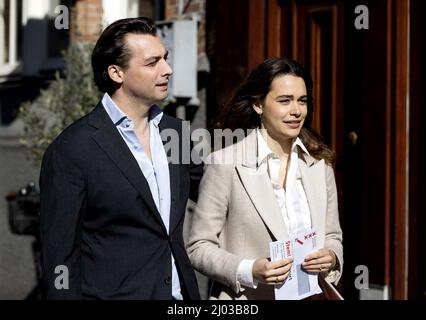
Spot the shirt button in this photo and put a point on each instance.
(167, 281)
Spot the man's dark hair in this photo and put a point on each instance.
(111, 49)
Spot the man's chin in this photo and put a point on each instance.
(163, 97)
(159, 99)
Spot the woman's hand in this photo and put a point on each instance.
(323, 260)
(272, 273)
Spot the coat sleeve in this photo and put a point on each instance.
(333, 232)
(208, 227)
(62, 202)
(195, 174)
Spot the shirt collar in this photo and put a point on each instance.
(263, 150)
(118, 116)
(155, 115)
(299, 143)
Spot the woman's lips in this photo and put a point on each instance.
(293, 124)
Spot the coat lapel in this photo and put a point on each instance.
(174, 173)
(109, 140)
(313, 181)
(258, 186)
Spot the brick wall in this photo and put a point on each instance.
(86, 20)
(195, 6)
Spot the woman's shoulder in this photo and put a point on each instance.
(311, 160)
(233, 154)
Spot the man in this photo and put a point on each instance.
(112, 207)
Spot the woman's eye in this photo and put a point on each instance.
(304, 101)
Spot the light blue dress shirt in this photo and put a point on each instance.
(156, 172)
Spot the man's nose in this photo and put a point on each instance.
(167, 69)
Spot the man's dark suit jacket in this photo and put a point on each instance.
(98, 217)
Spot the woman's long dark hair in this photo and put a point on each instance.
(239, 112)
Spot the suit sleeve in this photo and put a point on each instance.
(195, 175)
(333, 232)
(62, 202)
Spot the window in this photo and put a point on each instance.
(10, 34)
(114, 10)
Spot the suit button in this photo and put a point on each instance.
(167, 281)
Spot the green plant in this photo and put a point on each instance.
(71, 95)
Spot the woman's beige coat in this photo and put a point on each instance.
(237, 216)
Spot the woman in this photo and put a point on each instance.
(279, 182)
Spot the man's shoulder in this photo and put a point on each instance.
(169, 121)
(75, 134)
(76, 130)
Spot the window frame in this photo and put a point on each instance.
(13, 64)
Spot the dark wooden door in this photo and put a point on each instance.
(361, 109)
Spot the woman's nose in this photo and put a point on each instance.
(295, 109)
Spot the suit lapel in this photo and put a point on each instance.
(174, 173)
(313, 181)
(109, 140)
(258, 186)
(174, 191)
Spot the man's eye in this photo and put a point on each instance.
(304, 101)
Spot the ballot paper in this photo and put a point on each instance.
(299, 284)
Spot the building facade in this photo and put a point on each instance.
(368, 107)
(33, 34)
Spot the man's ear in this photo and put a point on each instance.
(115, 73)
(258, 108)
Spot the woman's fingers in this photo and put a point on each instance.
(279, 275)
(319, 257)
(321, 253)
(319, 261)
(321, 267)
(272, 272)
(279, 279)
(279, 263)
